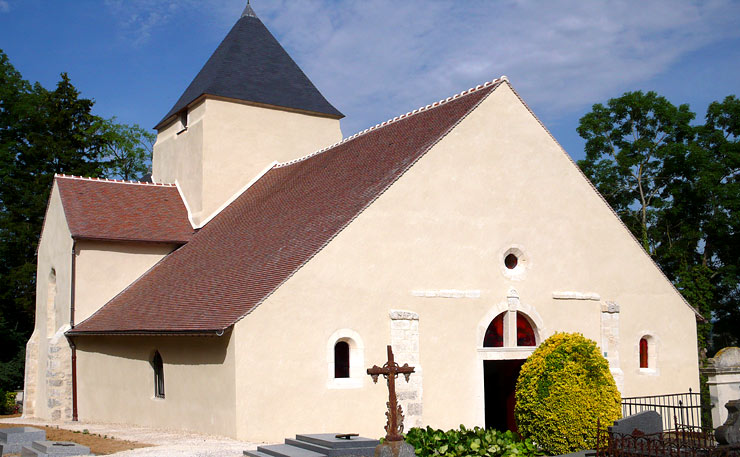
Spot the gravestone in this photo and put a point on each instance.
(723, 379)
(729, 432)
(54, 449)
(13, 439)
(644, 423)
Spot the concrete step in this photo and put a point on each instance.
(310, 446)
(28, 451)
(256, 454)
(366, 451)
(286, 450)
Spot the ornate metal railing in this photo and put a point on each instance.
(684, 441)
(677, 410)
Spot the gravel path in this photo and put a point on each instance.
(167, 443)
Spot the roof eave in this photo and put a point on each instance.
(209, 332)
(167, 120)
(111, 239)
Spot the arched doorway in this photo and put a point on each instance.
(510, 330)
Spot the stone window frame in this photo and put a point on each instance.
(653, 347)
(356, 360)
(523, 264)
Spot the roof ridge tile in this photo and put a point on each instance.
(116, 181)
(421, 109)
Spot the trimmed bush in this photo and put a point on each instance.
(429, 442)
(563, 389)
(7, 403)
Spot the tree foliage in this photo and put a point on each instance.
(676, 186)
(43, 132)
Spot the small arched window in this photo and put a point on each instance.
(158, 367)
(644, 353)
(341, 359)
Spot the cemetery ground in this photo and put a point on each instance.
(134, 441)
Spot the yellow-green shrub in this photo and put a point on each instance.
(564, 387)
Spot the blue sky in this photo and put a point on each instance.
(377, 59)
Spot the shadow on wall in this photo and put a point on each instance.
(179, 350)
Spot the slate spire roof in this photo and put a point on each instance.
(251, 65)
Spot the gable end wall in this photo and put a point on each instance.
(495, 181)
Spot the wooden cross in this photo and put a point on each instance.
(390, 370)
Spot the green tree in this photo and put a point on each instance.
(43, 132)
(626, 144)
(676, 187)
(127, 149)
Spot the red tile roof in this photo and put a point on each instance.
(249, 249)
(101, 209)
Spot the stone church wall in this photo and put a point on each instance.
(48, 365)
(434, 245)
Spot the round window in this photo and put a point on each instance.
(511, 261)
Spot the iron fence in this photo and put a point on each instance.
(677, 410)
(684, 441)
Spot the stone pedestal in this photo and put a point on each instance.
(395, 449)
(723, 373)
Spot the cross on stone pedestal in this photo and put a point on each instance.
(390, 370)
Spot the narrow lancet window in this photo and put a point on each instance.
(643, 352)
(341, 360)
(158, 366)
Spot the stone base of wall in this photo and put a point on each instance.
(31, 376)
(59, 377)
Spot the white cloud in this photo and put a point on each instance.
(4, 6)
(139, 18)
(382, 58)
(377, 59)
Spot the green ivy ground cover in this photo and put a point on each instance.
(476, 442)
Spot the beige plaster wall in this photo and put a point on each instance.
(497, 181)
(116, 382)
(177, 156)
(103, 269)
(227, 144)
(52, 313)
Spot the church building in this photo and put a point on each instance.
(246, 289)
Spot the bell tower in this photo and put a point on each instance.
(249, 106)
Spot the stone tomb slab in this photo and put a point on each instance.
(54, 449)
(334, 447)
(13, 439)
(318, 445)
